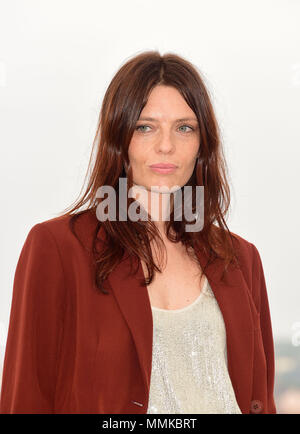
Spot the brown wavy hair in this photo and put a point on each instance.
(125, 98)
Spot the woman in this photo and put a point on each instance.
(141, 315)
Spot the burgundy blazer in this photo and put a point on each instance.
(73, 349)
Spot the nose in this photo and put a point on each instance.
(165, 144)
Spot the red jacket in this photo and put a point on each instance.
(72, 349)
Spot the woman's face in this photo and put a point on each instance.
(165, 138)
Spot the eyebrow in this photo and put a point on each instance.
(177, 120)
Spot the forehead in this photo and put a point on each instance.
(166, 102)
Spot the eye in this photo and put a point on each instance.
(142, 126)
(187, 126)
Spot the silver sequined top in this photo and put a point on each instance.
(189, 360)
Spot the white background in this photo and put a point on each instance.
(56, 61)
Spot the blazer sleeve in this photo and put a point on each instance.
(262, 304)
(35, 327)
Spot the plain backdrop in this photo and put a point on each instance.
(57, 59)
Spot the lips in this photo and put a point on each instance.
(163, 166)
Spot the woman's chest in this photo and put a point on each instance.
(179, 283)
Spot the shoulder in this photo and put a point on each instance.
(250, 262)
(244, 247)
(247, 254)
(55, 229)
(50, 253)
(59, 230)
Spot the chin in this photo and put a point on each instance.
(168, 187)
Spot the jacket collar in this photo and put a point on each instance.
(232, 298)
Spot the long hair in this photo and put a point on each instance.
(125, 98)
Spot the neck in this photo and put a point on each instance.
(156, 203)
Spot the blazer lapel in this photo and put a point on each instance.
(233, 300)
(134, 304)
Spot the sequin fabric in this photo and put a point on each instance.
(189, 360)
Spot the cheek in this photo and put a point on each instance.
(135, 154)
(189, 159)
(132, 152)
